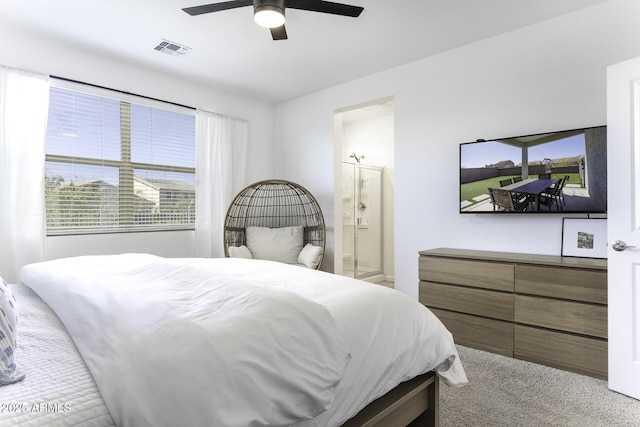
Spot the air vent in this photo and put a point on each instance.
(171, 48)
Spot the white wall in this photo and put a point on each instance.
(34, 53)
(545, 77)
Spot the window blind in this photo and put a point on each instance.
(115, 164)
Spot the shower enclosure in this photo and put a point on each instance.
(362, 220)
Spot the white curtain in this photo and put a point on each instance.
(24, 103)
(221, 157)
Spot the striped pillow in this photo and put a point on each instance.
(9, 373)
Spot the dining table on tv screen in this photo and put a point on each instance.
(532, 187)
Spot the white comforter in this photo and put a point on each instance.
(230, 342)
(58, 390)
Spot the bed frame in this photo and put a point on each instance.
(412, 403)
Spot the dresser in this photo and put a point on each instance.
(546, 309)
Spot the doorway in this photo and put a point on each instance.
(364, 191)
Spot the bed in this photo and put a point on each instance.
(150, 341)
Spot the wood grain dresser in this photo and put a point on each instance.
(545, 309)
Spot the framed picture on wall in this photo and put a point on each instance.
(584, 237)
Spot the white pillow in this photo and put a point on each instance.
(276, 244)
(239, 252)
(310, 255)
(9, 372)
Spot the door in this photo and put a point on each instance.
(623, 197)
(368, 221)
(348, 219)
(361, 220)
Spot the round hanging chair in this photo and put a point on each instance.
(274, 204)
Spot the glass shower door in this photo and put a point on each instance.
(361, 220)
(368, 229)
(348, 219)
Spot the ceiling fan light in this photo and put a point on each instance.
(268, 16)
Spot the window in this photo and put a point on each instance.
(117, 163)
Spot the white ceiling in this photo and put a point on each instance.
(229, 49)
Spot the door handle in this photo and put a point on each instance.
(620, 246)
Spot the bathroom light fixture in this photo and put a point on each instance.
(269, 13)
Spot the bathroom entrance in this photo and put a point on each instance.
(364, 191)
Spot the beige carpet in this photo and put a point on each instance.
(509, 392)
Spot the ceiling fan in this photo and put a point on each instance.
(270, 13)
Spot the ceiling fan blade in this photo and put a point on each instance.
(279, 33)
(325, 7)
(216, 7)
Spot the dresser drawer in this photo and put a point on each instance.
(579, 318)
(489, 275)
(490, 335)
(545, 309)
(583, 355)
(567, 283)
(497, 305)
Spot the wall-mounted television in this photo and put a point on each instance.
(562, 172)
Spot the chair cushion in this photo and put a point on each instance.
(310, 255)
(276, 244)
(9, 372)
(240, 252)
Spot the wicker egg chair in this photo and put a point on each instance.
(274, 204)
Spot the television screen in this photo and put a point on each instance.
(556, 172)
